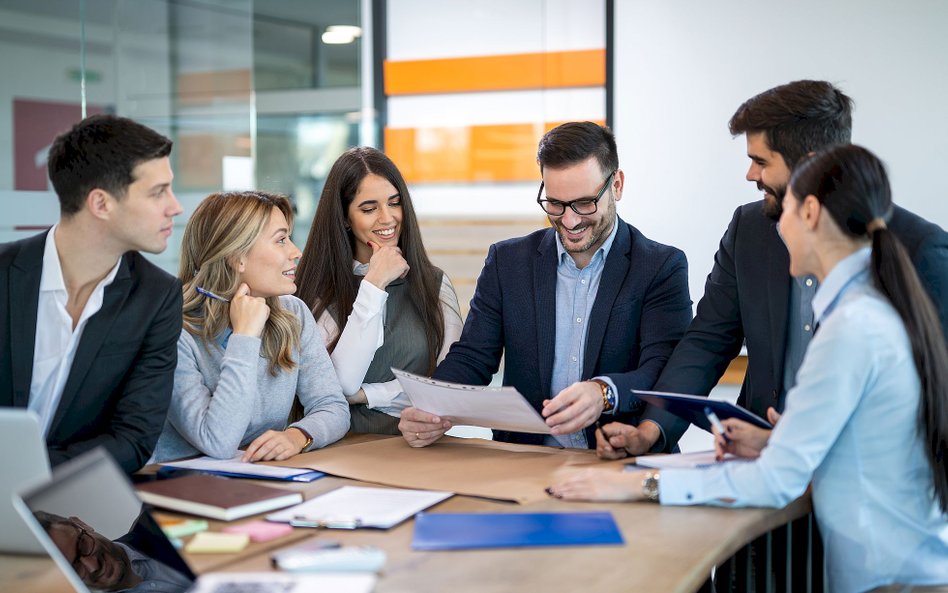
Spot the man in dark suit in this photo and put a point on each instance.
(749, 295)
(88, 327)
(581, 312)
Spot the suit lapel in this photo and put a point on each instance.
(613, 277)
(778, 293)
(97, 328)
(544, 291)
(25, 275)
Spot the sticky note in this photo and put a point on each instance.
(212, 542)
(185, 528)
(260, 531)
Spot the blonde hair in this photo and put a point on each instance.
(223, 229)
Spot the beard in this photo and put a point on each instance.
(773, 196)
(599, 231)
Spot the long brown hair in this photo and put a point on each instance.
(852, 185)
(222, 229)
(324, 274)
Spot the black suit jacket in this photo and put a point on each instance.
(746, 297)
(641, 310)
(119, 386)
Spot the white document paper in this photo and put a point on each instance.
(275, 582)
(362, 507)
(500, 408)
(696, 460)
(235, 465)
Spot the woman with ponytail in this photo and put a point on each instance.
(248, 349)
(867, 422)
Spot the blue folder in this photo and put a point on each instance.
(465, 531)
(691, 408)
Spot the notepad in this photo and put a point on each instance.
(211, 542)
(215, 497)
(356, 506)
(463, 531)
(235, 468)
(260, 531)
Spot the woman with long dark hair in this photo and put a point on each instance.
(368, 280)
(867, 421)
(248, 349)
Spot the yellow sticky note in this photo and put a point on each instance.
(212, 542)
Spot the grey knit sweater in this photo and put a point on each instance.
(224, 398)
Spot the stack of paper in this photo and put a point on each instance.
(235, 468)
(354, 506)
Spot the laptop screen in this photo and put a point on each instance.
(98, 531)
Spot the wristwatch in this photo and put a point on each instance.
(309, 439)
(608, 396)
(650, 487)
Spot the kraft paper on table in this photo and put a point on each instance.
(474, 467)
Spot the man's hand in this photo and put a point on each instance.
(600, 485)
(624, 439)
(574, 408)
(743, 439)
(275, 444)
(420, 429)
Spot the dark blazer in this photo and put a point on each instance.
(641, 311)
(746, 298)
(119, 386)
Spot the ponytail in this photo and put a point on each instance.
(895, 277)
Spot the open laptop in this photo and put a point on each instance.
(25, 463)
(99, 533)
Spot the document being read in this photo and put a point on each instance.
(501, 408)
(356, 506)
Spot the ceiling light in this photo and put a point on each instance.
(350, 30)
(337, 38)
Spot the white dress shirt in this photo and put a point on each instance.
(364, 334)
(56, 340)
(850, 425)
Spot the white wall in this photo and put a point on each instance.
(682, 67)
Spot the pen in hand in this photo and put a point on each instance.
(210, 294)
(602, 432)
(716, 423)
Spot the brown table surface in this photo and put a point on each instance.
(666, 549)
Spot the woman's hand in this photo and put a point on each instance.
(248, 314)
(275, 445)
(600, 485)
(743, 439)
(385, 265)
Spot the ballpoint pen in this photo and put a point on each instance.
(210, 294)
(602, 432)
(716, 423)
(326, 522)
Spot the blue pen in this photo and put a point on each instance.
(210, 294)
(716, 423)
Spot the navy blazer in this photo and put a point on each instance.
(119, 386)
(746, 298)
(640, 312)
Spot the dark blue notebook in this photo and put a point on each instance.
(691, 408)
(464, 531)
(166, 472)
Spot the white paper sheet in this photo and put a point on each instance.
(698, 460)
(371, 507)
(235, 465)
(501, 408)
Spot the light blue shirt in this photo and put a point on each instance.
(576, 291)
(850, 426)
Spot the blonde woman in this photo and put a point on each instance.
(248, 348)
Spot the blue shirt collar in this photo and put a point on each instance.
(603, 249)
(838, 279)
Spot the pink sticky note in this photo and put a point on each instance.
(260, 531)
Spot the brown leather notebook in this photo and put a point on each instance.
(215, 497)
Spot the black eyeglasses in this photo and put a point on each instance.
(85, 545)
(581, 206)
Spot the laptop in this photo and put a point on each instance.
(102, 537)
(28, 466)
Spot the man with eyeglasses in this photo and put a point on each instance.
(106, 565)
(581, 312)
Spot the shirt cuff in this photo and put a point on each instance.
(680, 487)
(378, 396)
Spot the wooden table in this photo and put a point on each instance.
(667, 549)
